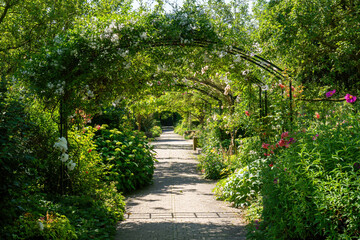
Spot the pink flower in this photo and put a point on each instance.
(330, 93)
(314, 138)
(284, 134)
(266, 146)
(247, 113)
(282, 143)
(350, 98)
(98, 127)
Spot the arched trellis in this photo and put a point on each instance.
(254, 59)
(204, 37)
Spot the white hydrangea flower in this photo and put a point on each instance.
(143, 36)
(41, 226)
(61, 144)
(64, 157)
(71, 165)
(90, 93)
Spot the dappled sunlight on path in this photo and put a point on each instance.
(180, 203)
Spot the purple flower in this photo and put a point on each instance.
(314, 138)
(350, 98)
(330, 93)
(257, 224)
(291, 140)
(276, 180)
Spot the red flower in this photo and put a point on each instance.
(89, 150)
(271, 165)
(266, 146)
(281, 85)
(284, 134)
(282, 143)
(247, 113)
(317, 115)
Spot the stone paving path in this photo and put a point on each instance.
(180, 204)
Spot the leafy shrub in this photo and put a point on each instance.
(89, 171)
(311, 189)
(48, 226)
(241, 187)
(156, 131)
(129, 156)
(212, 165)
(95, 216)
(90, 216)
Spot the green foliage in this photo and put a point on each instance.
(95, 216)
(242, 187)
(317, 40)
(212, 165)
(156, 131)
(49, 226)
(89, 216)
(128, 155)
(114, 116)
(18, 166)
(311, 189)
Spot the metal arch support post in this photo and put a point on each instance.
(290, 99)
(260, 104)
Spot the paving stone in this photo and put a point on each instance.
(179, 205)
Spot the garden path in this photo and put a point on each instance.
(180, 203)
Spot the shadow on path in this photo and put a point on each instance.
(180, 203)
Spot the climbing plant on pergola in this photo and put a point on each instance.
(105, 57)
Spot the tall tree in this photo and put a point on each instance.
(318, 40)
